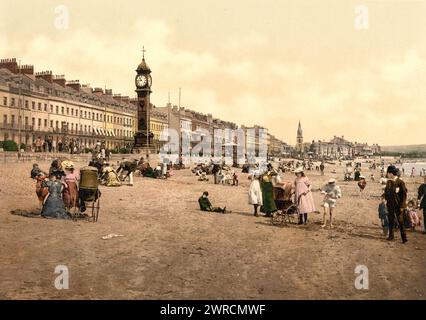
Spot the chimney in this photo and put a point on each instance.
(45, 75)
(27, 69)
(108, 92)
(9, 64)
(86, 88)
(60, 80)
(98, 92)
(74, 84)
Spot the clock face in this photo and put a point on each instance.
(149, 81)
(141, 81)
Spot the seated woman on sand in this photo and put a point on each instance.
(110, 176)
(53, 206)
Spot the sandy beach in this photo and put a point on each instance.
(171, 250)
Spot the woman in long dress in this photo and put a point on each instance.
(255, 193)
(111, 177)
(53, 206)
(303, 195)
(268, 206)
(70, 192)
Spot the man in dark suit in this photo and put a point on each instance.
(396, 201)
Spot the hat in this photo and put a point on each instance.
(265, 178)
(393, 170)
(361, 177)
(332, 180)
(67, 164)
(298, 170)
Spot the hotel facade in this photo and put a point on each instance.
(46, 106)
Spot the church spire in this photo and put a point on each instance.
(299, 130)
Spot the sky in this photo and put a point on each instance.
(343, 68)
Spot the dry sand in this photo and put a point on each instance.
(171, 250)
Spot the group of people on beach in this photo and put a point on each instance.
(57, 190)
(396, 211)
(270, 194)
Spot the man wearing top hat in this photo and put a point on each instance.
(396, 201)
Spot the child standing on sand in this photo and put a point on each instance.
(331, 193)
(383, 216)
(413, 217)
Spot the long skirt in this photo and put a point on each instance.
(268, 198)
(54, 208)
(112, 180)
(70, 195)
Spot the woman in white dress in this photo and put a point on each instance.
(255, 193)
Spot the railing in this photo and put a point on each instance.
(15, 126)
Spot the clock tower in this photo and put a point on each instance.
(143, 82)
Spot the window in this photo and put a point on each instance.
(39, 122)
(26, 121)
(33, 103)
(26, 104)
(68, 110)
(57, 124)
(39, 106)
(63, 110)
(5, 119)
(97, 116)
(5, 101)
(72, 112)
(45, 122)
(12, 120)
(85, 114)
(57, 109)
(12, 102)
(85, 128)
(81, 113)
(33, 122)
(51, 108)
(45, 107)
(51, 123)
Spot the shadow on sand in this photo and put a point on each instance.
(26, 213)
